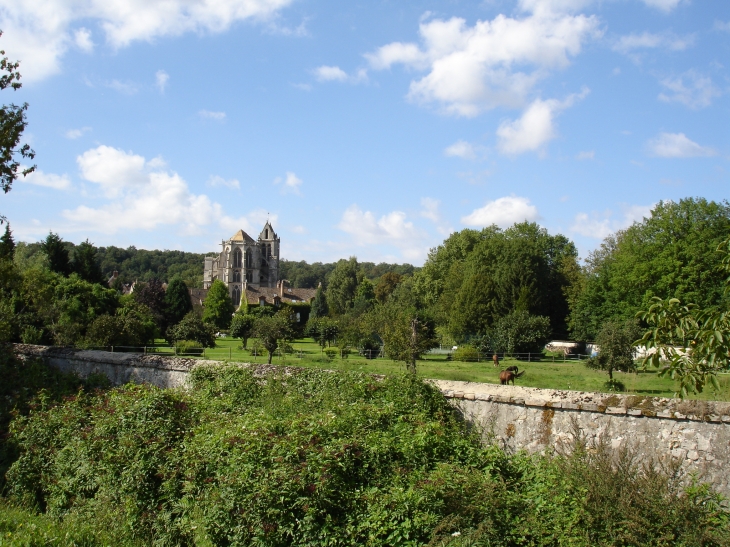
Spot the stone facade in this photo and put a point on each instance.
(244, 262)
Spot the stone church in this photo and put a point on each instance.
(250, 269)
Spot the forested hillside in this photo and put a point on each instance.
(302, 274)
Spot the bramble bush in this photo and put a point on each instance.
(326, 458)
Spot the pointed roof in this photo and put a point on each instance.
(240, 235)
(263, 231)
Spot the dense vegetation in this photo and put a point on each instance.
(322, 458)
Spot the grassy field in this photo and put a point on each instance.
(572, 375)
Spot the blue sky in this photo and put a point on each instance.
(371, 129)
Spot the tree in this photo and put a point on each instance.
(218, 307)
(319, 304)
(364, 298)
(191, 327)
(670, 254)
(177, 301)
(7, 244)
(323, 329)
(270, 331)
(406, 333)
(342, 286)
(689, 343)
(386, 285)
(242, 327)
(57, 254)
(520, 332)
(152, 295)
(12, 125)
(616, 349)
(85, 264)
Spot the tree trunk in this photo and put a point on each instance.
(610, 374)
(271, 354)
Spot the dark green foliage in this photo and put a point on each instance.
(342, 286)
(323, 329)
(12, 125)
(58, 257)
(520, 332)
(475, 278)
(193, 328)
(142, 265)
(7, 244)
(301, 274)
(406, 332)
(319, 304)
(152, 295)
(322, 458)
(386, 285)
(671, 254)
(119, 330)
(84, 263)
(364, 298)
(271, 331)
(218, 307)
(242, 327)
(177, 301)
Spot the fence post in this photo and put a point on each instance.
(112, 349)
(529, 357)
(229, 353)
(144, 350)
(174, 350)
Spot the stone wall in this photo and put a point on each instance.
(695, 433)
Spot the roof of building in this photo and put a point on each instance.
(289, 295)
(240, 235)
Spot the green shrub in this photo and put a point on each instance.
(331, 353)
(188, 347)
(466, 352)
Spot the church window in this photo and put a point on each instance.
(267, 234)
(236, 296)
(236, 276)
(249, 277)
(262, 301)
(237, 258)
(249, 260)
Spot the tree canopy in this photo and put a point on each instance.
(218, 308)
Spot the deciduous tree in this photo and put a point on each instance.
(319, 304)
(85, 264)
(616, 349)
(218, 308)
(177, 301)
(242, 327)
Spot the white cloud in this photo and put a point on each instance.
(144, 195)
(76, 133)
(290, 183)
(326, 73)
(48, 180)
(330, 73)
(211, 115)
(586, 155)
(461, 149)
(691, 89)
(677, 145)
(647, 40)
(663, 5)
(82, 38)
(503, 212)
(40, 31)
(389, 229)
(601, 225)
(494, 63)
(534, 128)
(161, 79)
(216, 181)
(431, 212)
(249, 223)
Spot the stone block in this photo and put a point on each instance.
(592, 407)
(615, 410)
(632, 412)
(517, 401)
(693, 455)
(458, 395)
(483, 397)
(679, 416)
(535, 402)
(569, 406)
(664, 414)
(469, 396)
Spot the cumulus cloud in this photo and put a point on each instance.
(503, 212)
(535, 127)
(161, 79)
(677, 145)
(461, 149)
(249, 223)
(647, 40)
(48, 180)
(143, 195)
(494, 63)
(690, 89)
(289, 183)
(76, 133)
(215, 181)
(431, 212)
(390, 229)
(211, 115)
(41, 31)
(330, 73)
(601, 225)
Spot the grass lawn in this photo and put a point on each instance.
(544, 374)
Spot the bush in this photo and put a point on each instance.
(466, 353)
(331, 353)
(188, 347)
(193, 328)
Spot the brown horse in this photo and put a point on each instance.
(507, 376)
(513, 368)
(495, 360)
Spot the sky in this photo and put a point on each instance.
(363, 128)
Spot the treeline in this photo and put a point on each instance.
(133, 264)
(309, 276)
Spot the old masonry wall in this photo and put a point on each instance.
(694, 433)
